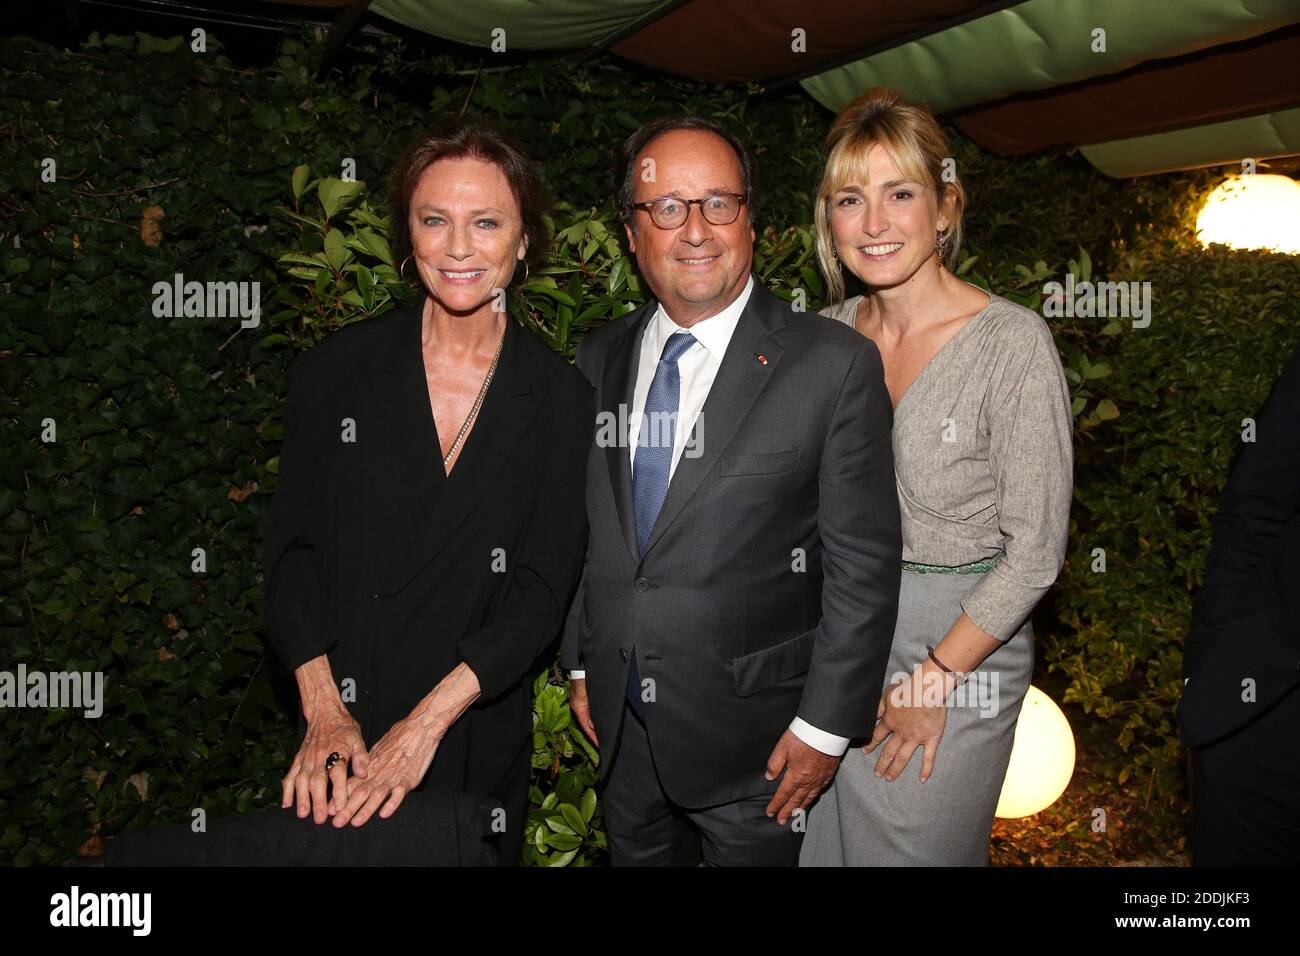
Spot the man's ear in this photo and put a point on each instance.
(631, 238)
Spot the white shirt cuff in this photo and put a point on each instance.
(577, 675)
(829, 744)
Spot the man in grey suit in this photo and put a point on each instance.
(732, 629)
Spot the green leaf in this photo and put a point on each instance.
(305, 220)
(563, 841)
(302, 258)
(617, 276)
(335, 194)
(265, 117)
(336, 252)
(300, 176)
(573, 817)
(558, 825)
(555, 294)
(371, 243)
(559, 719)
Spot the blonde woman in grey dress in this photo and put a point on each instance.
(982, 454)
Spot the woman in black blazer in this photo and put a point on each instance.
(429, 527)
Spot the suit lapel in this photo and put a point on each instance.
(427, 505)
(618, 387)
(740, 380)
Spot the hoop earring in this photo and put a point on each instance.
(401, 270)
(526, 271)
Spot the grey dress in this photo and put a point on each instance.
(983, 458)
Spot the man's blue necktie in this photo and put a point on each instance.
(653, 462)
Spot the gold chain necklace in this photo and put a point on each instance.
(477, 402)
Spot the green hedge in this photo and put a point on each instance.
(1147, 486)
(168, 428)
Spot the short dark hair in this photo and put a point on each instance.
(639, 140)
(460, 137)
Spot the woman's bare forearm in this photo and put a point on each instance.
(965, 645)
(443, 705)
(317, 690)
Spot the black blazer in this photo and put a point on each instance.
(397, 571)
(1246, 618)
(738, 636)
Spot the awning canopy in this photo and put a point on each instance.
(1142, 86)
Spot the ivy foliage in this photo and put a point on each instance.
(140, 447)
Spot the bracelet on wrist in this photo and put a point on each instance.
(959, 676)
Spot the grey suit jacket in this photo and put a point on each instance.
(769, 583)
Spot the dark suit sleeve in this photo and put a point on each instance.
(862, 548)
(546, 571)
(1261, 496)
(574, 628)
(293, 614)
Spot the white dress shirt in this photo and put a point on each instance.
(698, 367)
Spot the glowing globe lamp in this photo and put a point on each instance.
(1261, 211)
(1042, 758)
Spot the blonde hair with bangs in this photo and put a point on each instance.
(914, 141)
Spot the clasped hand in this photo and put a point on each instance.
(381, 777)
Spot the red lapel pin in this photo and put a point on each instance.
(762, 359)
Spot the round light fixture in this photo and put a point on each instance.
(1042, 758)
(1259, 211)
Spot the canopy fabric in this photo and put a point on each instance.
(528, 24)
(1044, 43)
(738, 41)
(1254, 137)
(1239, 79)
(1014, 75)
(1058, 88)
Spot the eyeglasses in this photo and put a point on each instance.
(721, 209)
